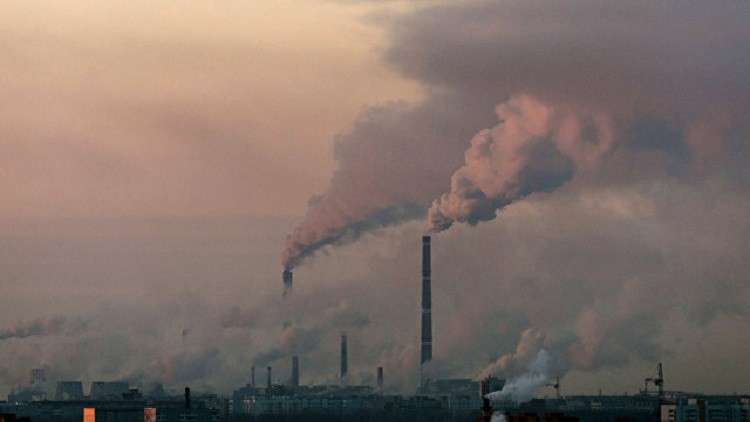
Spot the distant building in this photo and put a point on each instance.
(69, 390)
(108, 390)
(172, 410)
(450, 387)
(38, 377)
(706, 409)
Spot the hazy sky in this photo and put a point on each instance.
(589, 161)
(180, 108)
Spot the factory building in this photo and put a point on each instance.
(103, 390)
(69, 390)
(706, 409)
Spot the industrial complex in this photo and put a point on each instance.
(463, 399)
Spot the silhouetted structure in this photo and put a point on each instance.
(344, 359)
(37, 376)
(287, 277)
(69, 390)
(426, 349)
(101, 390)
(252, 376)
(295, 371)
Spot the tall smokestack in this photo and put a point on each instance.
(380, 378)
(187, 397)
(426, 304)
(287, 277)
(344, 359)
(268, 381)
(252, 376)
(295, 371)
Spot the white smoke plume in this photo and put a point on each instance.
(523, 387)
(512, 363)
(536, 147)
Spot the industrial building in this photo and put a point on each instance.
(206, 408)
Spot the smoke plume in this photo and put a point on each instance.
(535, 148)
(523, 387)
(574, 87)
(511, 364)
(328, 224)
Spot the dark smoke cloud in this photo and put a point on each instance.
(609, 101)
(584, 58)
(391, 165)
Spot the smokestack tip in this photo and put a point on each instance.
(287, 277)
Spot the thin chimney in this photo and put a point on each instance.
(295, 371)
(344, 359)
(380, 379)
(268, 382)
(426, 354)
(287, 276)
(252, 376)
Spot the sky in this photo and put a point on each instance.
(582, 168)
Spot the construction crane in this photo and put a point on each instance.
(556, 386)
(658, 382)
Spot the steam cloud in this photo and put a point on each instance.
(523, 387)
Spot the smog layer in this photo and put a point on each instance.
(583, 168)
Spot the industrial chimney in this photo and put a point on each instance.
(268, 381)
(380, 379)
(187, 398)
(252, 376)
(426, 354)
(295, 371)
(287, 277)
(344, 359)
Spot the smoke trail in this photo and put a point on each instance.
(316, 233)
(523, 387)
(535, 148)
